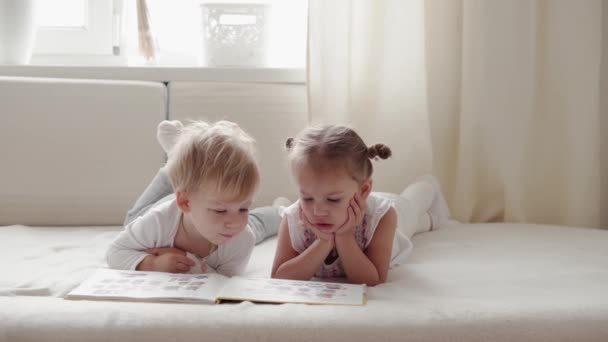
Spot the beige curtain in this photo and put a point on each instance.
(499, 99)
(367, 69)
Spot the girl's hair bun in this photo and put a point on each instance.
(378, 150)
(289, 143)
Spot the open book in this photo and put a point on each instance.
(108, 284)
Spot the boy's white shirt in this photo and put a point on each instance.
(158, 228)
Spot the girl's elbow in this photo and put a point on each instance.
(275, 274)
(286, 274)
(280, 275)
(376, 281)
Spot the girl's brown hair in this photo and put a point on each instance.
(325, 146)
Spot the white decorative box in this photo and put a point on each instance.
(235, 34)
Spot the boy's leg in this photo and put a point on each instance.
(159, 188)
(264, 222)
(167, 133)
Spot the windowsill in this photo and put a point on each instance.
(159, 73)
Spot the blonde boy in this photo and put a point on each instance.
(199, 222)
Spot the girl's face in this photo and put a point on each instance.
(325, 195)
(215, 217)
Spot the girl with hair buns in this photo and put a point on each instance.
(339, 227)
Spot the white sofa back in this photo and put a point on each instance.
(79, 152)
(269, 112)
(76, 152)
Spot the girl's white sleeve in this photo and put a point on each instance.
(234, 255)
(147, 231)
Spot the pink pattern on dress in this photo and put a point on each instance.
(335, 269)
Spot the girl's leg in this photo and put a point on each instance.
(411, 219)
(434, 205)
(422, 207)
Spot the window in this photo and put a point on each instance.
(76, 27)
(92, 30)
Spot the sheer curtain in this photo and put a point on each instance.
(500, 99)
(366, 68)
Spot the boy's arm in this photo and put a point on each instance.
(129, 248)
(369, 267)
(289, 264)
(167, 259)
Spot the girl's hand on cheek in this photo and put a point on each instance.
(356, 211)
(320, 235)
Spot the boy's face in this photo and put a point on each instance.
(325, 196)
(216, 217)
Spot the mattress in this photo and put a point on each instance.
(466, 282)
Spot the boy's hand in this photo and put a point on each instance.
(203, 265)
(328, 237)
(200, 264)
(356, 213)
(164, 250)
(171, 260)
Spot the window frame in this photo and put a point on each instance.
(111, 62)
(96, 38)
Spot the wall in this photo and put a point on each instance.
(269, 112)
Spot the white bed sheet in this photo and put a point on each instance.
(473, 282)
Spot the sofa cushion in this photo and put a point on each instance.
(464, 282)
(76, 152)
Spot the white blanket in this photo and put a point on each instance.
(499, 282)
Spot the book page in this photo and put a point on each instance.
(108, 284)
(293, 291)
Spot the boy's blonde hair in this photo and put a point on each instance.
(328, 146)
(218, 157)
